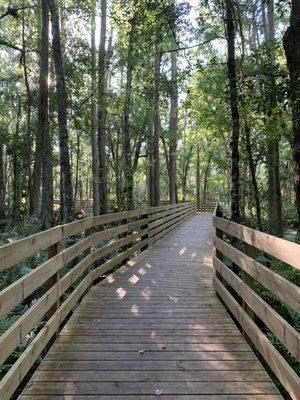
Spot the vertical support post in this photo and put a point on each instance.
(219, 254)
(251, 252)
(146, 226)
(52, 251)
(86, 252)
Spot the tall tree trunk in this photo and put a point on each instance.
(253, 174)
(291, 42)
(43, 123)
(234, 141)
(28, 141)
(185, 171)
(206, 178)
(43, 81)
(102, 88)
(126, 127)
(150, 175)
(2, 181)
(16, 166)
(66, 196)
(274, 189)
(198, 178)
(173, 126)
(94, 133)
(156, 131)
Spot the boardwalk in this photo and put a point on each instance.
(154, 329)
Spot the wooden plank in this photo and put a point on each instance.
(13, 253)
(279, 286)
(281, 328)
(150, 356)
(168, 388)
(18, 371)
(283, 250)
(142, 365)
(277, 363)
(152, 397)
(18, 331)
(150, 376)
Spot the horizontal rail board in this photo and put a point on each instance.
(280, 367)
(281, 287)
(283, 250)
(284, 332)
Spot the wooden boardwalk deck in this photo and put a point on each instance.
(154, 329)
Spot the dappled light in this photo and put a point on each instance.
(121, 292)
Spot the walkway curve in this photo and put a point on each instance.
(154, 329)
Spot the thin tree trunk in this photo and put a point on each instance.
(16, 166)
(27, 146)
(234, 141)
(274, 189)
(102, 88)
(150, 155)
(43, 123)
(185, 172)
(156, 132)
(291, 42)
(198, 177)
(127, 107)
(253, 175)
(77, 183)
(173, 126)
(2, 181)
(66, 196)
(94, 133)
(206, 178)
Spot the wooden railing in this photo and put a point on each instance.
(61, 285)
(207, 206)
(242, 279)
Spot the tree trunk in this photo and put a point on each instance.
(253, 175)
(16, 166)
(2, 181)
(274, 190)
(198, 177)
(94, 133)
(234, 141)
(65, 170)
(126, 127)
(43, 124)
(173, 126)
(102, 88)
(291, 42)
(28, 141)
(150, 176)
(206, 178)
(156, 132)
(185, 172)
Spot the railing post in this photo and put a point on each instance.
(251, 252)
(146, 226)
(219, 254)
(52, 252)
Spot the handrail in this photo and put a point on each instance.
(251, 270)
(127, 232)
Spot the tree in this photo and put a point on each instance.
(173, 126)
(234, 141)
(102, 88)
(66, 198)
(156, 128)
(44, 156)
(94, 133)
(291, 42)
